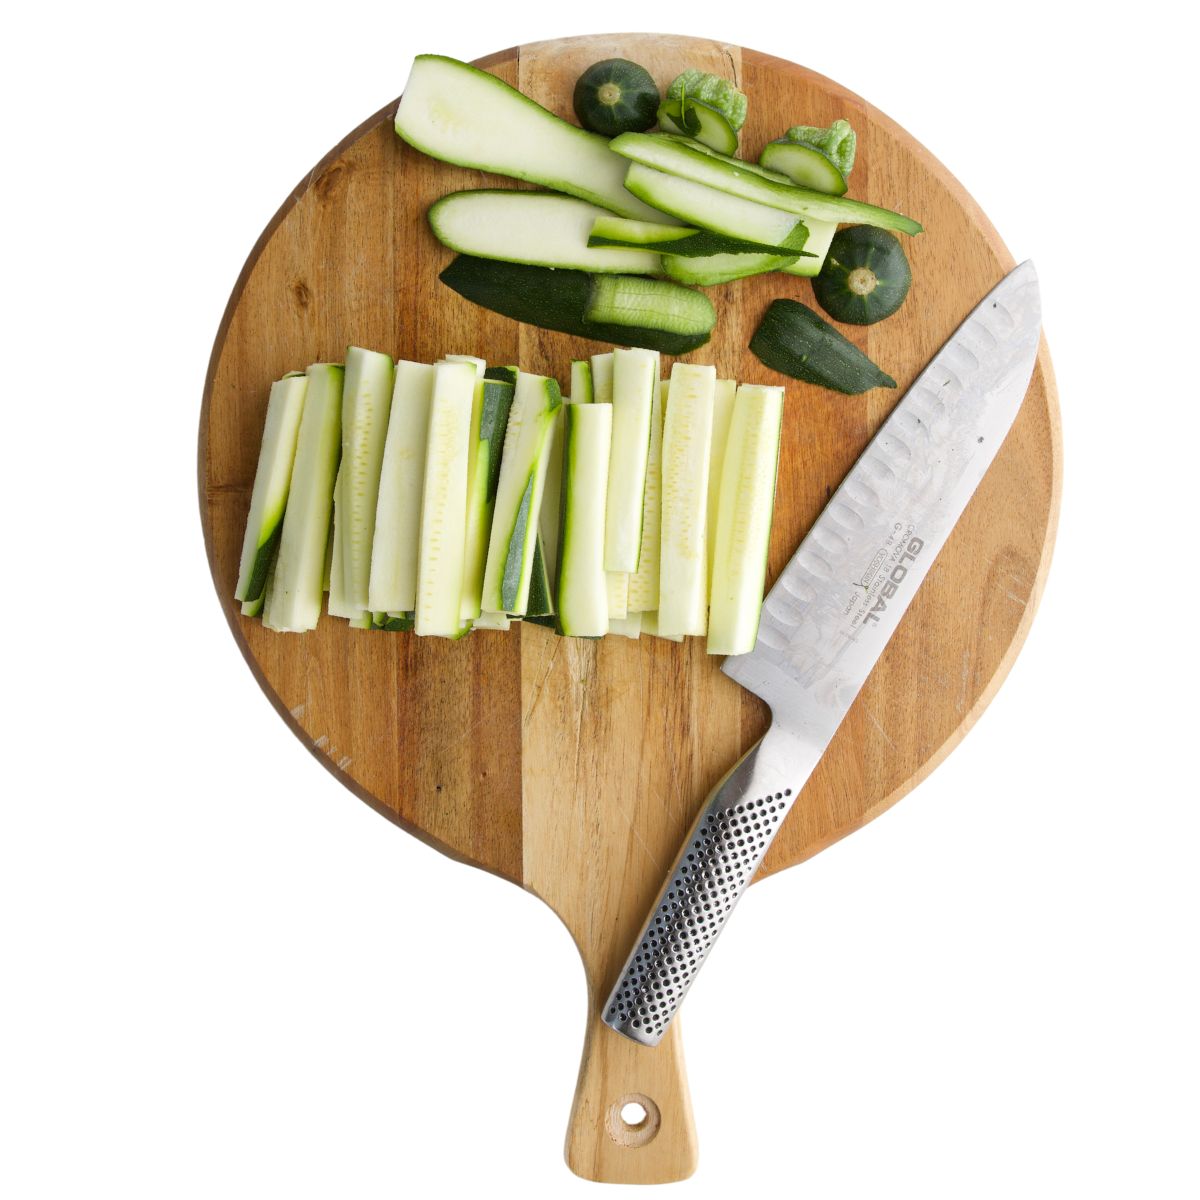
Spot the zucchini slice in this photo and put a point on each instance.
(820, 237)
(297, 588)
(634, 382)
(683, 553)
(671, 155)
(865, 277)
(804, 165)
(695, 119)
(552, 498)
(743, 527)
(272, 478)
(366, 401)
(672, 239)
(394, 550)
(602, 378)
(615, 96)
(723, 400)
(489, 420)
(532, 227)
(455, 112)
(519, 491)
(337, 604)
(624, 309)
(441, 554)
(723, 268)
(643, 583)
(581, 382)
(793, 340)
(710, 208)
(582, 599)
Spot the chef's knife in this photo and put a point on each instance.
(826, 622)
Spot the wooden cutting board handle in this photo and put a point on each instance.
(655, 1140)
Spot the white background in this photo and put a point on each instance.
(224, 976)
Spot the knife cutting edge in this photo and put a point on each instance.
(825, 624)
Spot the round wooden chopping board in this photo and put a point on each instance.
(573, 767)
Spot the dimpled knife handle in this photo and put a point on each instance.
(716, 865)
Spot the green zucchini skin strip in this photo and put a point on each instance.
(691, 243)
(561, 300)
(672, 157)
(794, 341)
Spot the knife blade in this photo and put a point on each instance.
(825, 624)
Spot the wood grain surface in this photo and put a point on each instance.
(571, 767)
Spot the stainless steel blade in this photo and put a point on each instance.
(826, 622)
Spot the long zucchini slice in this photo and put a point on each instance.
(625, 309)
(297, 591)
(666, 239)
(551, 508)
(602, 378)
(489, 419)
(683, 555)
(366, 402)
(634, 382)
(393, 584)
(533, 227)
(743, 528)
(708, 207)
(582, 601)
(723, 400)
(643, 583)
(581, 382)
(339, 604)
(444, 502)
(523, 468)
(731, 176)
(462, 115)
(723, 268)
(272, 478)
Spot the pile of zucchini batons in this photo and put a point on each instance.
(450, 497)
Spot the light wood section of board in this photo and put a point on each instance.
(574, 767)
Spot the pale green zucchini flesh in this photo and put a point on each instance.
(393, 583)
(634, 382)
(366, 402)
(723, 401)
(519, 494)
(683, 554)
(460, 114)
(581, 603)
(297, 591)
(671, 155)
(539, 228)
(272, 478)
(743, 527)
(643, 583)
(444, 502)
(708, 207)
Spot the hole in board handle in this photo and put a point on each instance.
(632, 1121)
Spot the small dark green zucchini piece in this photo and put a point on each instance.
(865, 277)
(793, 340)
(616, 96)
(627, 310)
(804, 165)
(695, 119)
